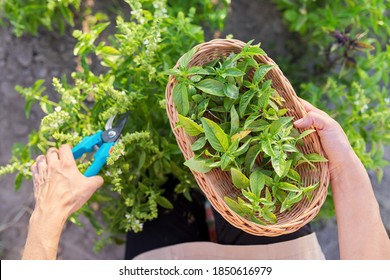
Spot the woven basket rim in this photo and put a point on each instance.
(212, 50)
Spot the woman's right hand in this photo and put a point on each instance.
(361, 232)
(333, 139)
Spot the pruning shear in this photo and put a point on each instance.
(103, 141)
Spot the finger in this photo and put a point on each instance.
(33, 168)
(310, 107)
(34, 171)
(89, 186)
(66, 155)
(52, 156)
(42, 169)
(95, 182)
(306, 104)
(92, 184)
(39, 159)
(315, 119)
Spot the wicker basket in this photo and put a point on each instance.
(217, 184)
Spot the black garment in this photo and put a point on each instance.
(230, 235)
(187, 223)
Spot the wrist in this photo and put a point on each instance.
(348, 168)
(46, 227)
(50, 218)
(43, 235)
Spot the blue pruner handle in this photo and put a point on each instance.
(87, 144)
(99, 159)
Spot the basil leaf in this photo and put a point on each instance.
(198, 144)
(280, 195)
(305, 133)
(244, 101)
(251, 156)
(269, 216)
(234, 72)
(315, 158)
(198, 165)
(234, 121)
(163, 202)
(261, 72)
(197, 70)
(186, 58)
(239, 179)
(250, 196)
(294, 175)
(288, 187)
(212, 87)
(215, 135)
(197, 98)
(233, 146)
(228, 103)
(279, 124)
(241, 135)
(256, 182)
(242, 149)
(290, 148)
(195, 78)
(287, 167)
(234, 205)
(249, 50)
(279, 165)
(189, 126)
(250, 119)
(282, 112)
(257, 220)
(174, 72)
(291, 199)
(180, 99)
(265, 94)
(267, 148)
(226, 159)
(310, 188)
(268, 195)
(202, 107)
(307, 191)
(230, 90)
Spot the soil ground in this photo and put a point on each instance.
(24, 60)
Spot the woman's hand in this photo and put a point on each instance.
(59, 187)
(60, 190)
(361, 232)
(333, 139)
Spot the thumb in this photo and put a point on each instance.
(82, 195)
(95, 182)
(318, 121)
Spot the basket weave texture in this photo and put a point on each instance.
(217, 184)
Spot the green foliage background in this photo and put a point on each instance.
(346, 79)
(337, 72)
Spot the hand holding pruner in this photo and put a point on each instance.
(103, 141)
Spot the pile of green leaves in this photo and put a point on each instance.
(27, 16)
(242, 127)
